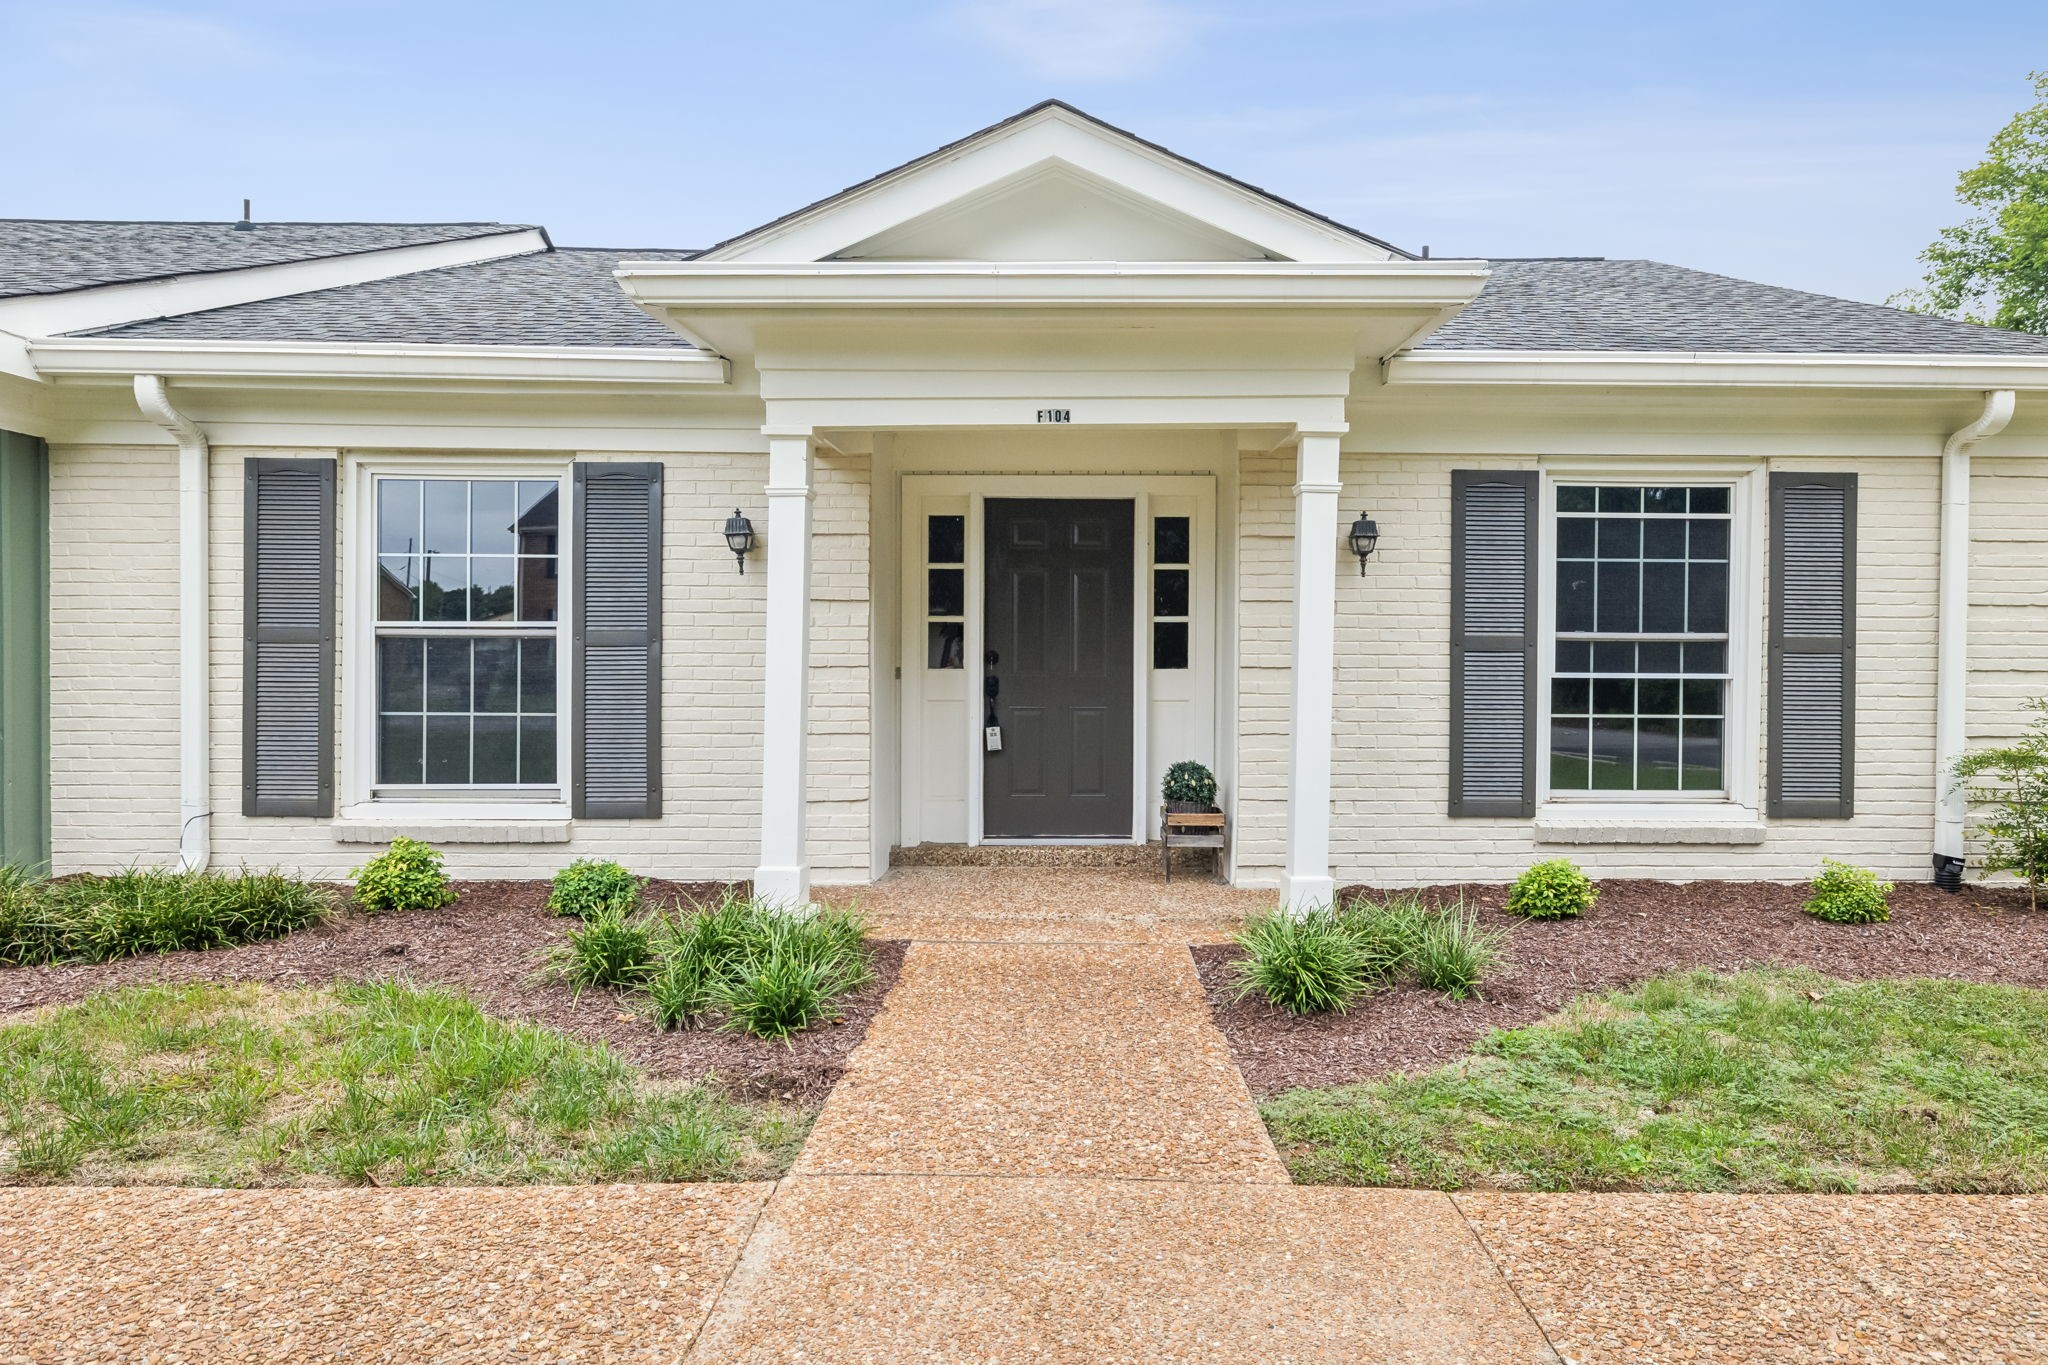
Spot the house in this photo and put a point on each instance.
(953, 508)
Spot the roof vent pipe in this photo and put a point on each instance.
(245, 225)
(195, 811)
(1952, 638)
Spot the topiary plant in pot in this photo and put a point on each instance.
(1189, 787)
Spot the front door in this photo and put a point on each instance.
(1058, 668)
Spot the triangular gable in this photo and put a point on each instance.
(1052, 179)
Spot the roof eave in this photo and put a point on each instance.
(1720, 369)
(86, 359)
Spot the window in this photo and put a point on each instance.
(1170, 587)
(946, 591)
(468, 606)
(1639, 683)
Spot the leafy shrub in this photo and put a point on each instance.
(406, 876)
(1189, 781)
(1303, 963)
(588, 885)
(610, 949)
(1552, 890)
(1843, 894)
(97, 919)
(2009, 788)
(1453, 953)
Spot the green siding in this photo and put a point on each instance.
(24, 651)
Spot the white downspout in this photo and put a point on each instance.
(1952, 657)
(195, 814)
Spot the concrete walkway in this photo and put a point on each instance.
(1041, 1153)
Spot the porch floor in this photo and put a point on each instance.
(1050, 905)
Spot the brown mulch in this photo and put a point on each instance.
(492, 944)
(1637, 930)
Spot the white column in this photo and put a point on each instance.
(1316, 485)
(784, 876)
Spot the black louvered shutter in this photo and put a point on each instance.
(1493, 642)
(1812, 747)
(288, 637)
(617, 667)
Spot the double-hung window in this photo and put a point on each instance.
(1639, 692)
(467, 621)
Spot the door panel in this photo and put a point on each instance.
(1058, 636)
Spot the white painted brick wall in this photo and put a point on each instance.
(114, 691)
(1393, 690)
(113, 656)
(2008, 594)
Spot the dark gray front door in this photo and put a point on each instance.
(1059, 659)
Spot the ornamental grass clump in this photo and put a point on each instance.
(1322, 961)
(611, 950)
(757, 968)
(589, 885)
(1845, 894)
(1303, 963)
(100, 918)
(406, 876)
(1556, 889)
(1453, 954)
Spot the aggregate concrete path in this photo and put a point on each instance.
(1044, 1059)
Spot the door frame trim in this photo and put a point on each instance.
(1139, 490)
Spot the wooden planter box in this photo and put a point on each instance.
(1183, 824)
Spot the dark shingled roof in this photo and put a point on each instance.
(562, 297)
(51, 255)
(1596, 305)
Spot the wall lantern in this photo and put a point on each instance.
(739, 537)
(1365, 534)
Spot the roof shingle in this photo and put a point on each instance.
(51, 255)
(1600, 305)
(562, 297)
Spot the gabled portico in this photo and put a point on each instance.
(1182, 307)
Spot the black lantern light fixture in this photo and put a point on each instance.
(739, 537)
(1365, 534)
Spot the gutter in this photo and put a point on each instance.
(1952, 662)
(195, 810)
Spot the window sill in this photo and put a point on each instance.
(1676, 823)
(379, 822)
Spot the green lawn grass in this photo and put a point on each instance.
(381, 1083)
(1767, 1080)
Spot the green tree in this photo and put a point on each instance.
(1993, 267)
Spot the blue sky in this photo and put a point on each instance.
(1809, 144)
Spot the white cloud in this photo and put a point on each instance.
(1092, 40)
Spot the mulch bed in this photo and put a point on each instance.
(492, 944)
(1638, 929)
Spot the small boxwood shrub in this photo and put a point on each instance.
(1190, 782)
(1845, 894)
(97, 919)
(1556, 889)
(588, 885)
(406, 876)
